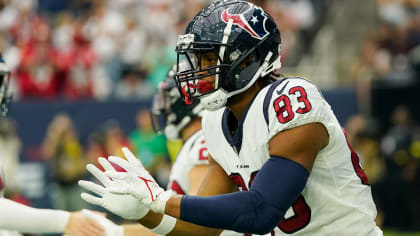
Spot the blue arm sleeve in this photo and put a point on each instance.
(277, 185)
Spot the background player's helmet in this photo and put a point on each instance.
(5, 95)
(247, 42)
(169, 112)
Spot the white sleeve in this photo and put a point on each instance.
(18, 217)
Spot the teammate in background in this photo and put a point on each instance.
(277, 139)
(173, 118)
(15, 217)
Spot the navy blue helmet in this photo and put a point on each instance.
(169, 112)
(246, 41)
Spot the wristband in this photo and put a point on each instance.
(166, 225)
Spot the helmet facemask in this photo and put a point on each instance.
(234, 72)
(170, 115)
(246, 41)
(197, 80)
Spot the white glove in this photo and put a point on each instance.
(111, 229)
(138, 183)
(126, 206)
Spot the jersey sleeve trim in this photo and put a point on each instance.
(235, 140)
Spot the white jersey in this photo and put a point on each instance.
(337, 198)
(2, 187)
(193, 153)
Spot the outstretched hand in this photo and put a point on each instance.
(126, 206)
(137, 182)
(111, 229)
(81, 225)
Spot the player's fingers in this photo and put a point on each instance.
(93, 228)
(92, 187)
(105, 164)
(130, 157)
(99, 217)
(83, 231)
(116, 175)
(98, 174)
(120, 162)
(92, 215)
(119, 190)
(92, 199)
(89, 230)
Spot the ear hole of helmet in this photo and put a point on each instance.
(248, 60)
(242, 70)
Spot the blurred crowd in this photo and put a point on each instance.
(87, 49)
(390, 53)
(390, 57)
(391, 160)
(66, 155)
(102, 49)
(391, 50)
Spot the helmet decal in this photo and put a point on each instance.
(255, 26)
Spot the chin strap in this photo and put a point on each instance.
(276, 65)
(256, 76)
(214, 100)
(172, 131)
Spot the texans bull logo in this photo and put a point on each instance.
(252, 21)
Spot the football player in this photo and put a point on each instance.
(278, 140)
(173, 118)
(15, 217)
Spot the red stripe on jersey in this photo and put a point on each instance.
(177, 188)
(355, 161)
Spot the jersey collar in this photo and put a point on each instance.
(228, 125)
